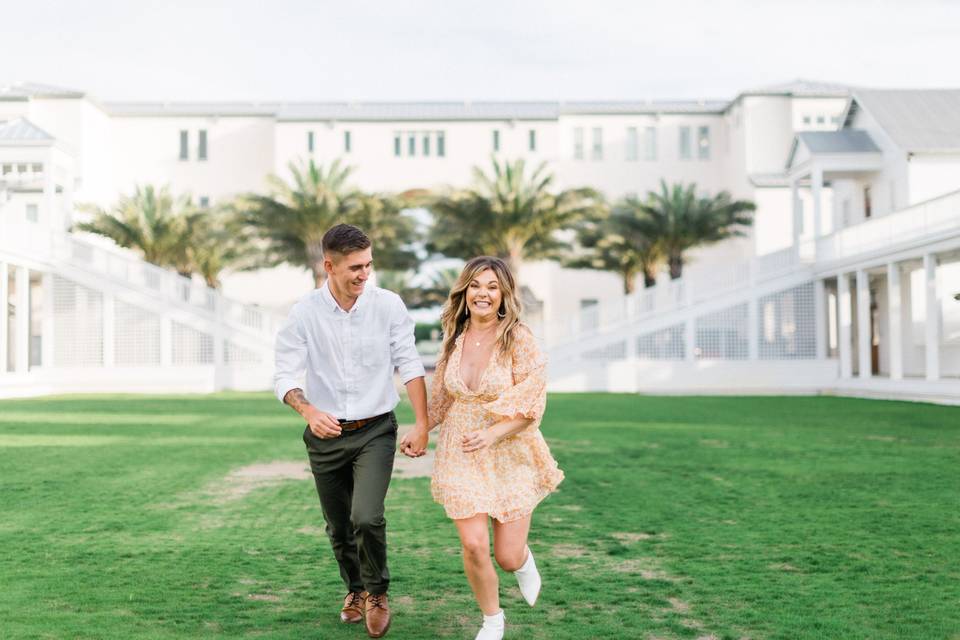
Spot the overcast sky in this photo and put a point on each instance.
(490, 49)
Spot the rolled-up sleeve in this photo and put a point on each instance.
(403, 349)
(290, 355)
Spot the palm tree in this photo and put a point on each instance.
(152, 222)
(433, 294)
(510, 213)
(217, 242)
(290, 221)
(619, 243)
(679, 220)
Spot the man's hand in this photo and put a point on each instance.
(414, 442)
(323, 425)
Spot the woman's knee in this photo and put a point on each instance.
(510, 559)
(476, 549)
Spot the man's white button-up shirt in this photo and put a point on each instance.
(348, 356)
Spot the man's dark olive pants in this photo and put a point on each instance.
(352, 473)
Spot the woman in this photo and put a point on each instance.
(488, 394)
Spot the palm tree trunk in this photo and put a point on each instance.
(649, 277)
(629, 281)
(315, 262)
(676, 265)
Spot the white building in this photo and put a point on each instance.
(830, 171)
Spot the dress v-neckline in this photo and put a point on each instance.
(483, 373)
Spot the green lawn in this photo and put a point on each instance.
(684, 517)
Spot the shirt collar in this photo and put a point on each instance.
(327, 296)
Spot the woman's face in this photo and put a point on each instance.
(483, 295)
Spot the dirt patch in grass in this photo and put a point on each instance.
(628, 537)
(264, 597)
(568, 551)
(239, 483)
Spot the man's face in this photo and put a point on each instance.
(348, 273)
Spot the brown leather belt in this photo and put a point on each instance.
(353, 425)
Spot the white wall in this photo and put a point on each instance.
(932, 175)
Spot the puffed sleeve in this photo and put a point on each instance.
(440, 399)
(527, 398)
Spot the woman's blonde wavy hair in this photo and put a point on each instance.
(454, 318)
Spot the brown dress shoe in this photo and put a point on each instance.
(377, 613)
(352, 611)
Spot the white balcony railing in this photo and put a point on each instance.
(169, 286)
(698, 284)
(928, 219)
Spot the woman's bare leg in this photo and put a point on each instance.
(475, 539)
(510, 542)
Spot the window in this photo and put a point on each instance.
(533, 139)
(806, 120)
(867, 203)
(204, 202)
(821, 120)
(496, 140)
(429, 143)
(411, 145)
(7, 168)
(33, 213)
(685, 151)
(36, 167)
(184, 145)
(834, 119)
(578, 143)
(441, 146)
(397, 145)
(703, 143)
(426, 144)
(346, 142)
(633, 143)
(202, 145)
(310, 141)
(596, 152)
(650, 144)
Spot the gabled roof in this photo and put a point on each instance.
(916, 120)
(22, 130)
(843, 141)
(414, 111)
(25, 90)
(803, 88)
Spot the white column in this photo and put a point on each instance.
(51, 216)
(817, 190)
(795, 214)
(932, 318)
(820, 318)
(109, 330)
(219, 359)
(844, 314)
(47, 337)
(4, 329)
(864, 348)
(894, 306)
(22, 328)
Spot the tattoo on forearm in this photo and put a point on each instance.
(296, 399)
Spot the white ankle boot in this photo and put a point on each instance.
(529, 579)
(492, 628)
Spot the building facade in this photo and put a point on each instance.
(823, 165)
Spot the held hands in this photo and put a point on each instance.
(414, 442)
(323, 425)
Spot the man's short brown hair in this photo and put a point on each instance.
(343, 239)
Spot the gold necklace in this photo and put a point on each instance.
(476, 342)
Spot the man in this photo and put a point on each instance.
(349, 337)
